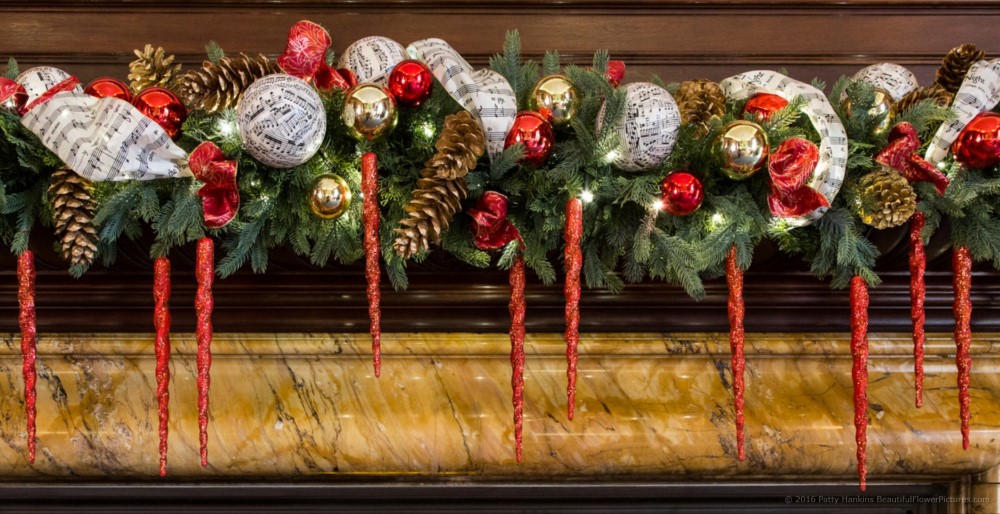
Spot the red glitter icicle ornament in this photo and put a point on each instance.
(517, 330)
(574, 263)
(962, 282)
(918, 263)
(734, 277)
(203, 305)
(26, 318)
(859, 371)
(161, 322)
(370, 212)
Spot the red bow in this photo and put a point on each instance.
(12, 94)
(615, 73)
(220, 196)
(899, 155)
(489, 222)
(68, 84)
(790, 166)
(305, 57)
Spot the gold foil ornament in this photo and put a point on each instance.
(743, 147)
(369, 112)
(883, 105)
(556, 98)
(330, 198)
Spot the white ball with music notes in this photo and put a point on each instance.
(281, 120)
(38, 80)
(372, 58)
(648, 127)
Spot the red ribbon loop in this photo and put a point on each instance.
(305, 57)
(68, 84)
(489, 222)
(615, 73)
(899, 155)
(790, 166)
(220, 196)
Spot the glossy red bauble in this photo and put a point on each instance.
(163, 107)
(410, 82)
(682, 193)
(978, 146)
(535, 132)
(13, 96)
(762, 105)
(107, 86)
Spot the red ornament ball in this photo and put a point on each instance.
(163, 107)
(107, 86)
(762, 105)
(13, 96)
(535, 132)
(682, 193)
(410, 82)
(978, 145)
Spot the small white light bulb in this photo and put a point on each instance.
(586, 196)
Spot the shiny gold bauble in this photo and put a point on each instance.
(556, 98)
(369, 112)
(883, 105)
(743, 147)
(330, 197)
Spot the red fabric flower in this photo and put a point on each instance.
(790, 166)
(489, 222)
(220, 196)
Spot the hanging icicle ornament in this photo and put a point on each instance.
(572, 233)
(203, 304)
(494, 231)
(734, 277)
(962, 282)
(29, 336)
(161, 346)
(918, 264)
(859, 371)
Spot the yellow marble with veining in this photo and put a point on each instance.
(648, 404)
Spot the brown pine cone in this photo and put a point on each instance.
(699, 101)
(956, 64)
(886, 199)
(152, 68)
(434, 204)
(459, 147)
(219, 86)
(73, 213)
(932, 92)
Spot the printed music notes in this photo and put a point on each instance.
(980, 91)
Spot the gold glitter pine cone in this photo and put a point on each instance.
(886, 199)
(459, 147)
(215, 87)
(153, 68)
(73, 210)
(956, 64)
(699, 101)
(932, 92)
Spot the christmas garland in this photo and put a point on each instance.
(642, 181)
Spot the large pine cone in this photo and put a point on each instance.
(699, 101)
(459, 147)
(73, 213)
(932, 92)
(434, 204)
(887, 199)
(152, 68)
(219, 86)
(956, 64)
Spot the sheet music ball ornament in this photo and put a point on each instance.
(883, 105)
(556, 98)
(682, 193)
(13, 97)
(648, 126)
(763, 105)
(162, 106)
(535, 133)
(369, 112)
(40, 79)
(370, 58)
(330, 197)
(410, 83)
(978, 145)
(743, 147)
(281, 120)
(108, 86)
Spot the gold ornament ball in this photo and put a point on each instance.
(883, 105)
(369, 112)
(330, 198)
(556, 98)
(743, 147)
